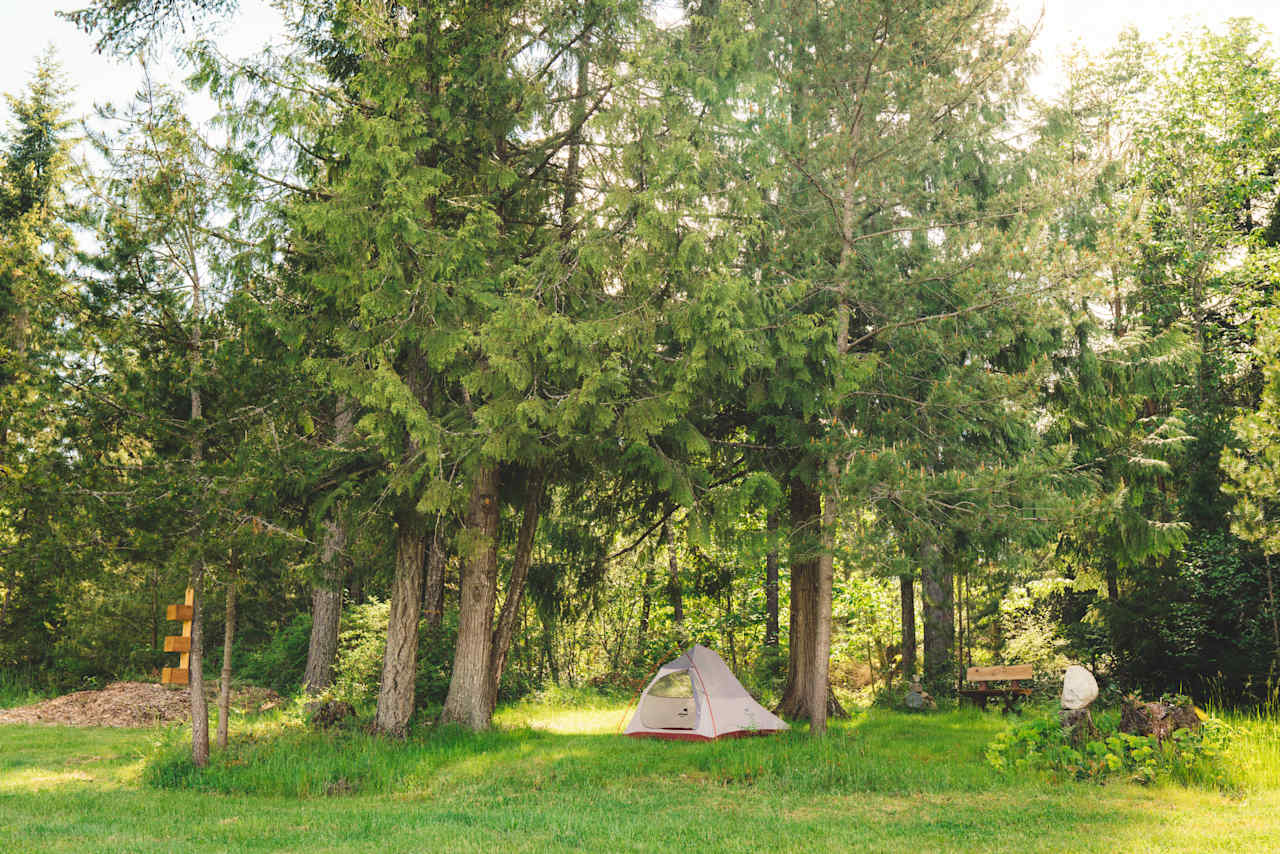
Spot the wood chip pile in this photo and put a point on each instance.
(128, 704)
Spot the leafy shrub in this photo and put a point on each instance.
(362, 644)
(435, 664)
(1189, 757)
(281, 662)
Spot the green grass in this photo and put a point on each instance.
(16, 690)
(553, 776)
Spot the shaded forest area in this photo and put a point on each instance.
(478, 347)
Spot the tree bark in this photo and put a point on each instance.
(433, 593)
(195, 665)
(771, 584)
(510, 612)
(805, 515)
(326, 613)
(326, 597)
(674, 588)
(467, 703)
(939, 622)
(224, 685)
(907, 586)
(646, 605)
(1271, 598)
(199, 706)
(399, 664)
(824, 582)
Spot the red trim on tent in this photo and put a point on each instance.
(677, 735)
(705, 695)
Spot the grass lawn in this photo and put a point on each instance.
(552, 778)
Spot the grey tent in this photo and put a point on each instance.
(696, 697)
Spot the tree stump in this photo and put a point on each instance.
(331, 713)
(1158, 719)
(1080, 727)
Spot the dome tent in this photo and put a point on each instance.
(696, 697)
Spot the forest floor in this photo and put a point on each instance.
(556, 777)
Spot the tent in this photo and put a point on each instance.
(696, 697)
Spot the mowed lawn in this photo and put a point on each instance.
(559, 779)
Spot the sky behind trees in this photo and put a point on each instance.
(30, 27)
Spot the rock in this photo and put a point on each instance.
(918, 699)
(1079, 688)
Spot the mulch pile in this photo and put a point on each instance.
(130, 704)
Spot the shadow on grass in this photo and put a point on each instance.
(874, 752)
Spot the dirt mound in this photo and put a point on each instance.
(129, 704)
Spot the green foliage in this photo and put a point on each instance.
(1204, 618)
(279, 663)
(1188, 757)
(362, 643)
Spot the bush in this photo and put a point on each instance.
(435, 664)
(362, 644)
(1189, 757)
(280, 663)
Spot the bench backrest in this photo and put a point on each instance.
(999, 673)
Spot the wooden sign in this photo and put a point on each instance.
(180, 644)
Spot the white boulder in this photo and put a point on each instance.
(1079, 688)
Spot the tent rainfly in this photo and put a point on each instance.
(696, 697)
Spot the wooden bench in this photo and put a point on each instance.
(983, 690)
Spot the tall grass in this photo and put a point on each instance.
(19, 689)
(876, 751)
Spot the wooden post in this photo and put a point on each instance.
(180, 644)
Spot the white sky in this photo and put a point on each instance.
(28, 26)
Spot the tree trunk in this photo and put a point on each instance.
(467, 703)
(1113, 583)
(326, 612)
(646, 605)
(939, 623)
(728, 622)
(326, 597)
(399, 665)
(806, 514)
(224, 685)
(199, 706)
(1271, 598)
(907, 585)
(674, 588)
(771, 584)
(824, 582)
(433, 593)
(510, 612)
